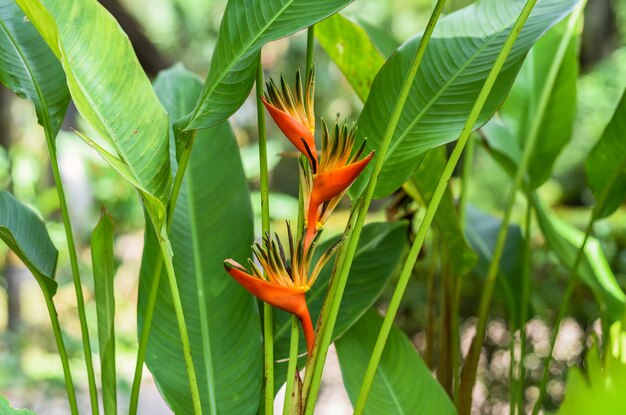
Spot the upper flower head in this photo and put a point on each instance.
(284, 283)
(294, 115)
(337, 171)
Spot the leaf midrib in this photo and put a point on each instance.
(246, 47)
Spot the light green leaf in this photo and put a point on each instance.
(385, 42)
(520, 110)
(377, 257)
(6, 409)
(482, 233)
(212, 222)
(30, 69)
(421, 187)
(594, 270)
(110, 90)
(600, 389)
(606, 164)
(103, 263)
(246, 26)
(459, 56)
(26, 235)
(403, 384)
(349, 46)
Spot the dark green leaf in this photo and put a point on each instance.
(606, 164)
(594, 270)
(378, 255)
(403, 384)
(103, 263)
(246, 26)
(26, 235)
(30, 69)
(459, 56)
(482, 233)
(350, 48)
(111, 92)
(212, 222)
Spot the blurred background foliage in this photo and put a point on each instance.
(185, 30)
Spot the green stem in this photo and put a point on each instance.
(521, 372)
(56, 328)
(434, 204)
(156, 273)
(310, 47)
(468, 374)
(293, 365)
(268, 311)
(466, 174)
(71, 246)
(313, 377)
(182, 326)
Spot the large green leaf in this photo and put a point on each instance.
(246, 26)
(212, 222)
(349, 46)
(422, 187)
(26, 235)
(459, 56)
(103, 263)
(520, 109)
(600, 389)
(6, 409)
(606, 164)
(111, 92)
(378, 255)
(403, 384)
(30, 69)
(594, 270)
(482, 233)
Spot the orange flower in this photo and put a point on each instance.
(286, 283)
(337, 171)
(294, 114)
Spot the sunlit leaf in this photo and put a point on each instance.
(459, 56)
(7, 409)
(606, 164)
(212, 222)
(403, 384)
(246, 26)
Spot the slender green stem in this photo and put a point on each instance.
(268, 311)
(293, 365)
(310, 48)
(313, 377)
(466, 174)
(434, 204)
(156, 273)
(521, 372)
(182, 326)
(71, 246)
(468, 374)
(56, 329)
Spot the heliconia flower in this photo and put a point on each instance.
(294, 115)
(337, 170)
(286, 282)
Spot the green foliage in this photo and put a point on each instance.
(111, 92)
(600, 388)
(460, 54)
(403, 383)
(212, 221)
(246, 27)
(30, 69)
(606, 165)
(103, 263)
(6, 409)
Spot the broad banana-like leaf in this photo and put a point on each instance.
(403, 384)
(606, 164)
(212, 222)
(246, 26)
(459, 56)
(30, 69)
(110, 90)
